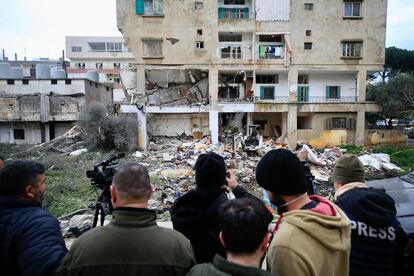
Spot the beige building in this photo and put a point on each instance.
(105, 55)
(295, 67)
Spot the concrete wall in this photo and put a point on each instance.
(32, 132)
(176, 124)
(42, 86)
(319, 80)
(62, 127)
(384, 136)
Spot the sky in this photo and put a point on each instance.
(40, 26)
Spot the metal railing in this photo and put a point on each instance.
(243, 53)
(276, 99)
(234, 13)
(321, 99)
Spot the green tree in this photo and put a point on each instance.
(397, 61)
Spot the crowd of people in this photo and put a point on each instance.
(214, 232)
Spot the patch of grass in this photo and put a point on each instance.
(352, 149)
(403, 158)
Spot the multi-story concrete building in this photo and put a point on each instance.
(296, 67)
(106, 55)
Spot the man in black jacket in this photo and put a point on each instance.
(195, 213)
(30, 239)
(376, 232)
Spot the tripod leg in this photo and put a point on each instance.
(95, 218)
(102, 216)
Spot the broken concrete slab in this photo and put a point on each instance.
(176, 173)
(78, 152)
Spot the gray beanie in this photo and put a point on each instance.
(348, 169)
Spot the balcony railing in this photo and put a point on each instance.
(321, 99)
(234, 13)
(276, 99)
(234, 51)
(272, 52)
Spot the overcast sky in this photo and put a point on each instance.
(40, 26)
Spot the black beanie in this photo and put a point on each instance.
(281, 172)
(210, 171)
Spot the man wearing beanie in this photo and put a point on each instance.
(376, 233)
(195, 213)
(312, 235)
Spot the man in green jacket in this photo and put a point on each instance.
(132, 243)
(244, 225)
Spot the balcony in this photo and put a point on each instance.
(235, 86)
(322, 99)
(234, 51)
(234, 13)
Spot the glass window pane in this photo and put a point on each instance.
(357, 9)
(348, 9)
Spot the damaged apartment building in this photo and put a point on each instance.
(298, 69)
(40, 108)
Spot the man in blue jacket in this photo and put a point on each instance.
(30, 239)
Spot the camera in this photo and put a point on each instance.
(101, 177)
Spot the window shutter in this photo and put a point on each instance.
(329, 123)
(327, 92)
(140, 7)
(274, 92)
(307, 93)
(246, 13)
(339, 92)
(261, 92)
(221, 13)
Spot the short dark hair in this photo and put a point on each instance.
(17, 175)
(243, 222)
(132, 181)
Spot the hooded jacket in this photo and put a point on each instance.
(311, 242)
(195, 216)
(375, 229)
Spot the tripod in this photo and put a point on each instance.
(103, 207)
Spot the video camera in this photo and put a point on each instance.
(101, 177)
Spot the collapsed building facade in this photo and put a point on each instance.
(39, 109)
(297, 69)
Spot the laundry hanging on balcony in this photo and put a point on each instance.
(272, 10)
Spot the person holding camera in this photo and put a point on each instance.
(30, 239)
(132, 243)
(312, 235)
(243, 224)
(195, 213)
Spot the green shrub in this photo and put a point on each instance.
(401, 157)
(352, 149)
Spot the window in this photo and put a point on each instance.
(81, 65)
(231, 52)
(303, 93)
(10, 82)
(199, 44)
(117, 65)
(76, 49)
(117, 80)
(338, 123)
(114, 46)
(68, 82)
(99, 65)
(308, 6)
(96, 85)
(199, 5)
(226, 37)
(351, 49)
(18, 133)
(25, 82)
(152, 48)
(308, 32)
(97, 46)
(149, 7)
(270, 38)
(352, 9)
(308, 46)
(333, 92)
(267, 78)
(234, 2)
(53, 82)
(199, 32)
(267, 92)
(303, 79)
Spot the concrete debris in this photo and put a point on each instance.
(138, 154)
(78, 152)
(311, 156)
(379, 162)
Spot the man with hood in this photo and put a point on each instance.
(376, 232)
(312, 235)
(195, 213)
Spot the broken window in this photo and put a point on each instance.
(303, 79)
(234, 52)
(267, 79)
(199, 5)
(308, 32)
(97, 46)
(54, 82)
(18, 134)
(10, 82)
(333, 92)
(234, 2)
(338, 123)
(308, 46)
(267, 92)
(76, 49)
(114, 46)
(99, 65)
(25, 82)
(351, 49)
(227, 37)
(308, 6)
(199, 32)
(152, 48)
(199, 44)
(352, 8)
(68, 82)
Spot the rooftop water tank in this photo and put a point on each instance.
(57, 73)
(5, 70)
(42, 71)
(16, 73)
(92, 75)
